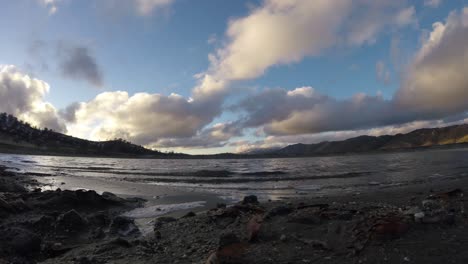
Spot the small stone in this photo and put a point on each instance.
(283, 238)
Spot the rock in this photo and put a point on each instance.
(89, 197)
(430, 204)
(391, 228)
(44, 223)
(418, 217)
(227, 239)
(5, 206)
(123, 226)
(306, 218)
(70, 221)
(189, 214)
(412, 211)
(279, 210)
(111, 197)
(213, 258)
(251, 199)
(253, 227)
(21, 241)
(283, 237)
(230, 248)
(221, 205)
(163, 220)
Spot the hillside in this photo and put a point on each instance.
(427, 137)
(17, 136)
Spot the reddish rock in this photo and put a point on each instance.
(253, 227)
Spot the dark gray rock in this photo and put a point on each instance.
(70, 221)
(123, 226)
(251, 199)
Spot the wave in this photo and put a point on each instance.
(245, 179)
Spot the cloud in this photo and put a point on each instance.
(282, 32)
(142, 118)
(436, 82)
(23, 96)
(138, 7)
(52, 5)
(432, 3)
(146, 7)
(216, 136)
(77, 62)
(383, 74)
(434, 86)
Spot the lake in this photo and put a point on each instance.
(233, 178)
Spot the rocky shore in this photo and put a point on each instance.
(423, 224)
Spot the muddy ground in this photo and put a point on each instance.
(412, 224)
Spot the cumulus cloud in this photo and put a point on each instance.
(78, 63)
(283, 32)
(217, 135)
(435, 86)
(436, 82)
(23, 96)
(142, 118)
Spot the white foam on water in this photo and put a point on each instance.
(162, 209)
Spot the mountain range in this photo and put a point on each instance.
(19, 137)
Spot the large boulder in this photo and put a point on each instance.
(70, 222)
(123, 226)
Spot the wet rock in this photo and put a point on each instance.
(163, 220)
(112, 197)
(70, 221)
(123, 226)
(251, 199)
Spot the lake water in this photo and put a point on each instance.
(234, 178)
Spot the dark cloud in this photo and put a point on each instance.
(77, 62)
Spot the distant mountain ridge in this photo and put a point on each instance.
(19, 137)
(426, 137)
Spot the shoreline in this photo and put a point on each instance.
(34, 152)
(297, 230)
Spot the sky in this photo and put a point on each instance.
(214, 76)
